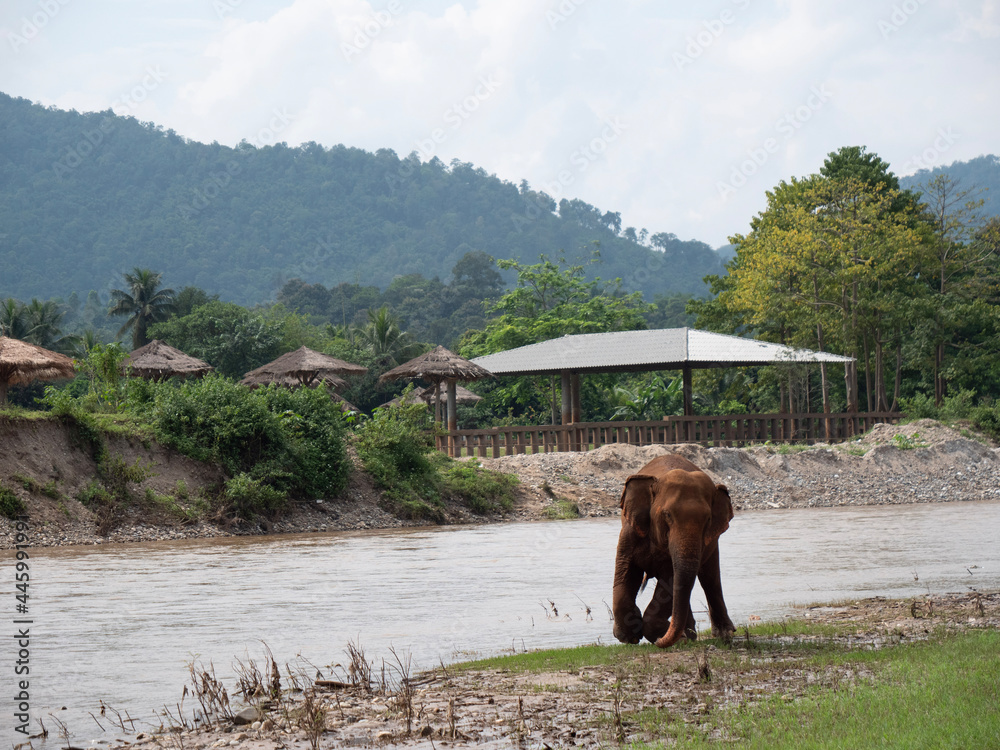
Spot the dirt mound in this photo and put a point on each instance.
(923, 461)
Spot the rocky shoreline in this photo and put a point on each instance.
(922, 462)
(591, 705)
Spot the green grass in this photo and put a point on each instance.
(557, 659)
(938, 694)
(562, 509)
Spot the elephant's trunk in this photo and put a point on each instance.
(685, 571)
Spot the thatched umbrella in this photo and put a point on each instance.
(21, 362)
(305, 367)
(440, 366)
(159, 361)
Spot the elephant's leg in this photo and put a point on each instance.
(656, 618)
(628, 617)
(711, 581)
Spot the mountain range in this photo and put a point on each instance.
(85, 197)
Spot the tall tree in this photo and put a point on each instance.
(143, 304)
(13, 322)
(955, 260)
(830, 263)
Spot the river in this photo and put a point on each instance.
(121, 623)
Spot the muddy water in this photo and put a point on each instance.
(120, 624)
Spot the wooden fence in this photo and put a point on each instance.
(733, 430)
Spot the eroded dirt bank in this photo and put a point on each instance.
(48, 468)
(598, 703)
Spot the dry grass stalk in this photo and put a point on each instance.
(313, 719)
(210, 692)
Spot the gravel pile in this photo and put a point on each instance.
(921, 462)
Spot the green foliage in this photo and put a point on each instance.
(549, 300)
(649, 398)
(987, 419)
(562, 509)
(214, 419)
(484, 491)
(252, 498)
(11, 506)
(102, 368)
(231, 338)
(395, 447)
(142, 304)
(908, 442)
(290, 439)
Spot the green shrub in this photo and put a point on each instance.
(215, 419)
(956, 406)
(292, 440)
(251, 498)
(395, 447)
(314, 448)
(987, 419)
(484, 491)
(11, 505)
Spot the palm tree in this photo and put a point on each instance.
(144, 303)
(386, 340)
(13, 322)
(44, 320)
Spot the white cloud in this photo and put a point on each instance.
(396, 74)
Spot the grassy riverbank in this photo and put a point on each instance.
(810, 690)
(913, 673)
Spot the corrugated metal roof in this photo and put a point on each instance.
(661, 349)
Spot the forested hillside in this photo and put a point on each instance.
(84, 197)
(980, 176)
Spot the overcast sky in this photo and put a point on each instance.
(679, 115)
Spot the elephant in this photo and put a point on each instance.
(672, 517)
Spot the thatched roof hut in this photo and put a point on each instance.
(159, 361)
(21, 362)
(437, 366)
(303, 367)
(440, 365)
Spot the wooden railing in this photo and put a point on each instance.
(732, 430)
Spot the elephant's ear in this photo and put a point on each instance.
(722, 514)
(636, 499)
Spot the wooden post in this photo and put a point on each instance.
(567, 398)
(574, 387)
(688, 395)
(452, 418)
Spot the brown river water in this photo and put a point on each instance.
(121, 623)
